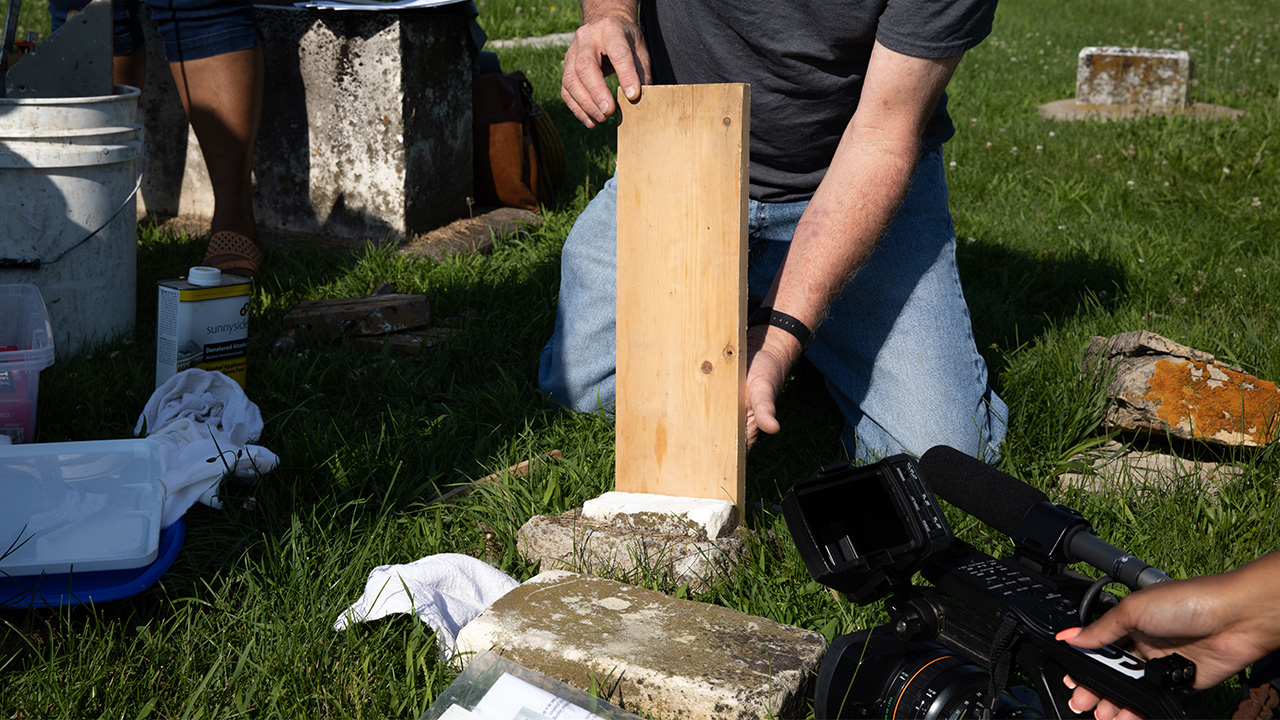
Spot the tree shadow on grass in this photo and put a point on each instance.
(1015, 297)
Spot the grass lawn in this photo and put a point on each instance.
(1067, 230)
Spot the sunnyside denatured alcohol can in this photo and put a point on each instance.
(203, 322)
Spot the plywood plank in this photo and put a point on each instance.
(682, 262)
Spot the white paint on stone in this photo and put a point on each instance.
(665, 513)
(613, 603)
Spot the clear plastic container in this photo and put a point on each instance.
(26, 348)
(79, 506)
(495, 688)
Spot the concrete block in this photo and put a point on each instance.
(700, 517)
(650, 653)
(1133, 76)
(366, 125)
(572, 542)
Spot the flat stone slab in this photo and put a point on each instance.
(649, 653)
(1159, 386)
(570, 541)
(701, 517)
(1069, 109)
(1117, 467)
(471, 235)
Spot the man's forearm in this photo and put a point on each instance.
(1252, 592)
(848, 214)
(862, 189)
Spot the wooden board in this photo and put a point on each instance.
(682, 263)
(372, 315)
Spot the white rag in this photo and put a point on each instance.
(204, 396)
(445, 591)
(204, 424)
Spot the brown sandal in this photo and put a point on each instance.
(233, 253)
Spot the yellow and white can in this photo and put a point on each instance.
(203, 322)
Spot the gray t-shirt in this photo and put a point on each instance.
(805, 61)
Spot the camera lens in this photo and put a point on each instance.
(864, 675)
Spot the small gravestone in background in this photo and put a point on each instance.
(1161, 389)
(1116, 82)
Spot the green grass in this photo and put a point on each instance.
(1067, 230)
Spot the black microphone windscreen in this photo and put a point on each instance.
(997, 499)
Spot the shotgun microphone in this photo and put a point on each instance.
(1026, 515)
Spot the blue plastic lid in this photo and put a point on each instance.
(65, 590)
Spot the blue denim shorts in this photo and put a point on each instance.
(192, 29)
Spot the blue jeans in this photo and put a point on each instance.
(192, 29)
(896, 348)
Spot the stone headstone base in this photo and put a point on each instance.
(570, 541)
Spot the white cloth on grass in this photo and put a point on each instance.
(204, 425)
(204, 396)
(445, 591)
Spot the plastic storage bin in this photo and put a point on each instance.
(26, 348)
(79, 507)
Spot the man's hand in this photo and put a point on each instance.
(1222, 623)
(770, 353)
(609, 41)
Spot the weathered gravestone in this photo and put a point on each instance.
(649, 653)
(621, 546)
(366, 125)
(1117, 82)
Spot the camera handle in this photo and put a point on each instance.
(1157, 688)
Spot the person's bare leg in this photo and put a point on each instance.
(223, 99)
(130, 69)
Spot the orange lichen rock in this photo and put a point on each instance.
(1211, 402)
(1158, 386)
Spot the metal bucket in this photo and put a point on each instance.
(69, 171)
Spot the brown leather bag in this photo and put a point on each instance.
(519, 157)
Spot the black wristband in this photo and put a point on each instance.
(765, 315)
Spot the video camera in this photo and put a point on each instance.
(949, 648)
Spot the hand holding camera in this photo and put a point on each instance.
(951, 646)
(1221, 622)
